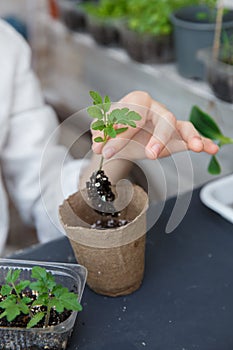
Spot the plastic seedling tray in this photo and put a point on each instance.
(72, 276)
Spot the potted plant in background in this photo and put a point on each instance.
(71, 14)
(102, 19)
(194, 28)
(38, 303)
(218, 61)
(146, 34)
(115, 254)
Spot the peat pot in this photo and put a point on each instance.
(115, 257)
(218, 74)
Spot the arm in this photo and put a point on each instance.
(35, 188)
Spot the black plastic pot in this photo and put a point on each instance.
(72, 15)
(218, 74)
(147, 48)
(104, 31)
(191, 35)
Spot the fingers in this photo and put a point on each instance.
(209, 146)
(190, 135)
(137, 98)
(164, 123)
(194, 141)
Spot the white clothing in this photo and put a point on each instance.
(26, 124)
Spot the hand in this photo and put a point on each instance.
(158, 134)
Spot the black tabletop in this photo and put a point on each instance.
(185, 301)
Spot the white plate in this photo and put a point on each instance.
(218, 195)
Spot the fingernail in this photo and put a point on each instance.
(156, 149)
(108, 152)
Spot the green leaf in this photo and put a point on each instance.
(45, 280)
(41, 300)
(117, 114)
(120, 130)
(224, 140)
(22, 285)
(111, 131)
(57, 304)
(42, 286)
(95, 112)
(50, 281)
(98, 139)
(35, 319)
(11, 299)
(205, 124)
(111, 118)
(214, 167)
(70, 301)
(12, 312)
(60, 290)
(124, 110)
(97, 99)
(5, 290)
(38, 286)
(107, 104)
(122, 121)
(3, 314)
(12, 275)
(39, 273)
(132, 124)
(98, 125)
(23, 308)
(26, 300)
(133, 116)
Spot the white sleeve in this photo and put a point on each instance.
(36, 189)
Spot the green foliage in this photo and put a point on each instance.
(153, 16)
(50, 295)
(107, 8)
(13, 302)
(108, 121)
(207, 127)
(142, 16)
(226, 52)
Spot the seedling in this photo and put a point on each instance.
(110, 122)
(207, 127)
(13, 300)
(35, 299)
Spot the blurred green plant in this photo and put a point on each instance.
(143, 16)
(226, 52)
(207, 127)
(153, 16)
(107, 8)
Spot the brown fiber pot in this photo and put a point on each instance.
(114, 258)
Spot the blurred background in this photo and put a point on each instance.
(77, 47)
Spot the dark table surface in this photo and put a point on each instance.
(185, 301)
